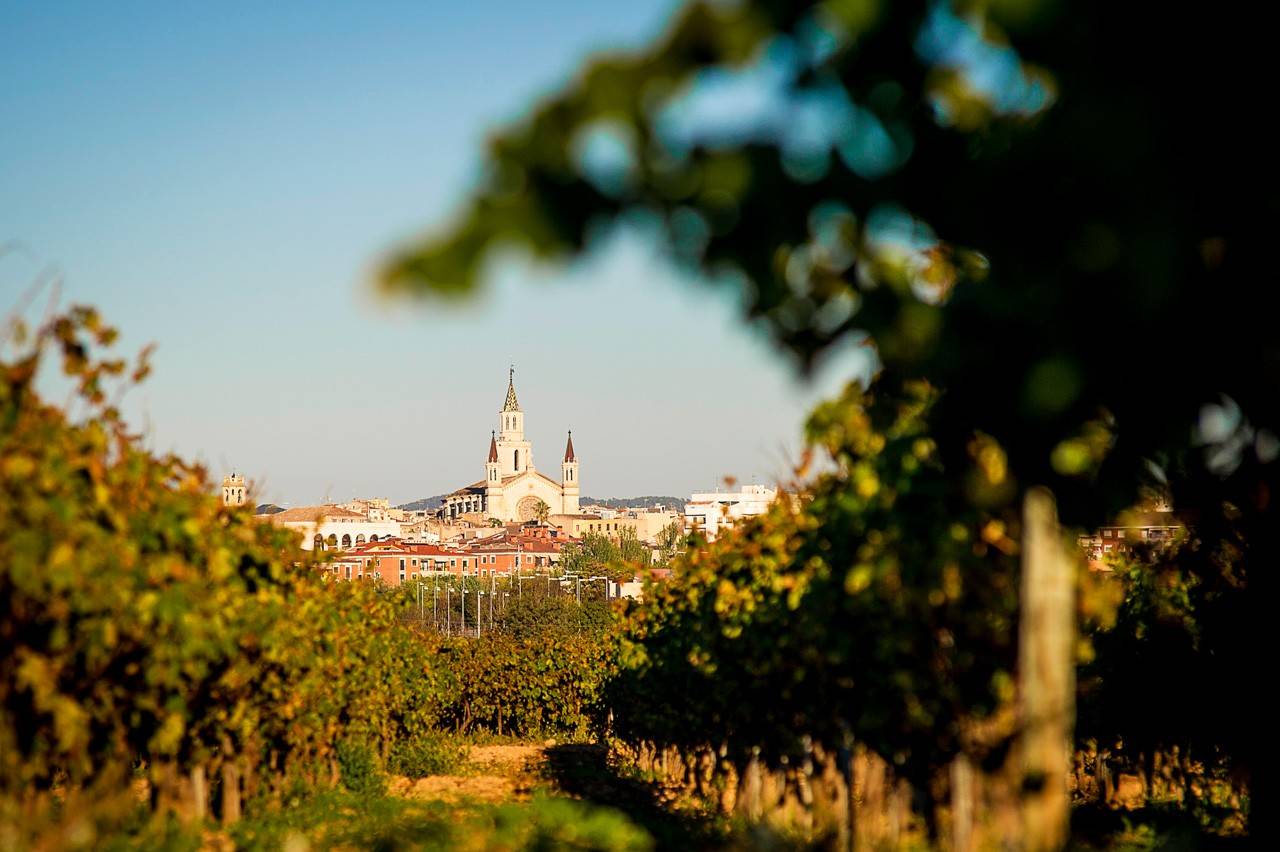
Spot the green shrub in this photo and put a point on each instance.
(358, 768)
(340, 819)
(554, 823)
(425, 754)
(530, 687)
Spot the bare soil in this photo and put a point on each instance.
(493, 773)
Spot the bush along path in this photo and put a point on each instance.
(512, 795)
(599, 780)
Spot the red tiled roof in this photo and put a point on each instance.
(433, 550)
(568, 449)
(532, 546)
(386, 545)
(493, 447)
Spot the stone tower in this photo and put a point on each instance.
(234, 492)
(515, 453)
(569, 478)
(493, 480)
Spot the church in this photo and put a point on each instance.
(512, 488)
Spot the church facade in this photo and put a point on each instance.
(512, 488)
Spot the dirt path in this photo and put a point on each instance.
(493, 773)
(500, 774)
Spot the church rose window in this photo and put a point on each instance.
(527, 508)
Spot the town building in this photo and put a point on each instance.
(709, 512)
(514, 550)
(512, 488)
(377, 509)
(395, 562)
(330, 527)
(646, 524)
(234, 490)
(1152, 528)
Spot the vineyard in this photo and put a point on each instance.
(1021, 216)
(847, 667)
(1002, 208)
(842, 670)
(157, 641)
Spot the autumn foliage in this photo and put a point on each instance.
(146, 627)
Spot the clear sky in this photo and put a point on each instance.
(221, 178)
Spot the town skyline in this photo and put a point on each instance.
(248, 262)
(449, 469)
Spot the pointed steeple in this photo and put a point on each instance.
(493, 447)
(511, 404)
(568, 449)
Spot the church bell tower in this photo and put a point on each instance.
(493, 503)
(515, 452)
(233, 490)
(569, 478)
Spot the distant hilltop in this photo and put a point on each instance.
(676, 503)
(423, 503)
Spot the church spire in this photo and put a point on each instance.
(493, 447)
(511, 404)
(568, 449)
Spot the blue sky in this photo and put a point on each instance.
(221, 179)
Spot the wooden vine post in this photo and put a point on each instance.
(1046, 671)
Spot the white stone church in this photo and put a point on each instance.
(512, 489)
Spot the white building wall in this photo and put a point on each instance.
(711, 511)
(340, 527)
